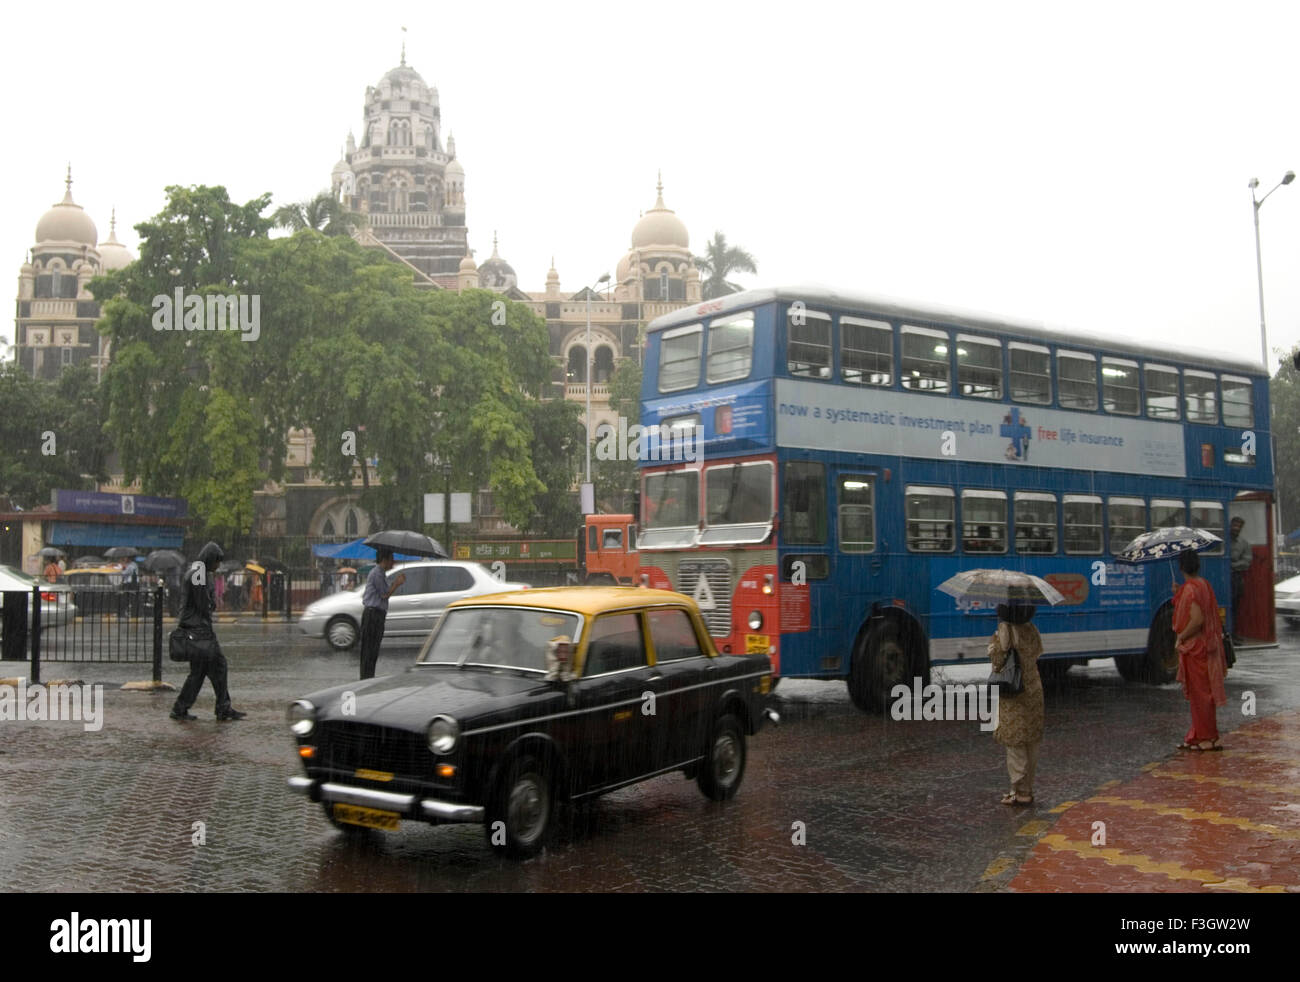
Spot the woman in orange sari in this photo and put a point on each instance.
(1201, 666)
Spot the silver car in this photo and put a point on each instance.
(57, 607)
(412, 611)
(1286, 600)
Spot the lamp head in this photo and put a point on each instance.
(605, 277)
(1254, 183)
(1288, 177)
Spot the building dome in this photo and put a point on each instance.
(467, 264)
(454, 168)
(660, 227)
(402, 74)
(341, 167)
(112, 254)
(626, 266)
(67, 222)
(496, 273)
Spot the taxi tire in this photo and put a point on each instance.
(723, 767)
(344, 627)
(527, 779)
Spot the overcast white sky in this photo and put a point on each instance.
(1083, 164)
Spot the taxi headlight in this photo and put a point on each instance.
(443, 734)
(755, 620)
(302, 718)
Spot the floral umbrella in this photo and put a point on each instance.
(1166, 543)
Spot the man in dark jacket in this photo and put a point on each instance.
(197, 603)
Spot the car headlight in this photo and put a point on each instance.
(755, 620)
(443, 734)
(302, 718)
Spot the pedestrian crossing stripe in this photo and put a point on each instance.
(1145, 864)
(1191, 815)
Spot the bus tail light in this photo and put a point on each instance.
(768, 583)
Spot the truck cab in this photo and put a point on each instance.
(607, 549)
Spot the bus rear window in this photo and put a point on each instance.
(929, 519)
(731, 347)
(738, 494)
(1082, 514)
(679, 358)
(671, 500)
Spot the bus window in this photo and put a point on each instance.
(1119, 386)
(984, 521)
(866, 351)
(979, 367)
(1167, 514)
(1031, 373)
(672, 500)
(737, 494)
(1208, 515)
(929, 518)
(1162, 391)
(925, 359)
(731, 347)
(1077, 375)
(803, 504)
(1082, 513)
(1237, 402)
(1128, 520)
(857, 526)
(1201, 394)
(1035, 522)
(679, 358)
(808, 334)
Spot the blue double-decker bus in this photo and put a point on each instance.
(857, 451)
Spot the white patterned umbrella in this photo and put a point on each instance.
(1000, 586)
(1166, 543)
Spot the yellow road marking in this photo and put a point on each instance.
(1062, 807)
(1145, 864)
(1033, 828)
(998, 867)
(1229, 782)
(1190, 815)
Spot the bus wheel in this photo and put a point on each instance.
(1159, 663)
(1054, 669)
(880, 662)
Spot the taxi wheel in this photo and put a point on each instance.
(522, 809)
(341, 633)
(351, 831)
(724, 764)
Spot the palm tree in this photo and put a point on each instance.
(720, 261)
(324, 213)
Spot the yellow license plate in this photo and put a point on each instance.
(757, 644)
(371, 818)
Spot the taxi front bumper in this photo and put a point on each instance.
(407, 805)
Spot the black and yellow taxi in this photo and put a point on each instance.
(521, 700)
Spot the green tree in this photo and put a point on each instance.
(617, 480)
(558, 437)
(1284, 397)
(323, 213)
(720, 261)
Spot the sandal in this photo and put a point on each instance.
(1025, 803)
(1009, 798)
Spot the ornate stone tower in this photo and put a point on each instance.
(410, 189)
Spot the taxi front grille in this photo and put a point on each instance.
(708, 581)
(351, 746)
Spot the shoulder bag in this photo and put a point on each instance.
(1008, 680)
(184, 644)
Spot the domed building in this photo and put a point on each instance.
(411, 189)
(55, 326)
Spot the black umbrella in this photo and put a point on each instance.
(229, 566)
(51, 551)
(273, 564)
(122, 552)
(405, 541)
(161, 559)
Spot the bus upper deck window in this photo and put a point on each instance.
(1031, 373)
(1119, 386)
(1201, 396)
(679, 358)
(979, 367)
(1162, 391)
(1237, 399)
(808, 343)
(925, 359)
(866, 351)
(1077, 379)
(731, 347)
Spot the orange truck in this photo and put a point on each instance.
(602, 551)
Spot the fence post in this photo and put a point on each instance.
(288, 595)
(157, 633)
(266, 594)
(35, 630)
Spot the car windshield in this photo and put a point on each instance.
(509, 637)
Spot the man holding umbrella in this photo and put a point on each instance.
(375, 602)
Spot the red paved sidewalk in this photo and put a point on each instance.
(1226, 821)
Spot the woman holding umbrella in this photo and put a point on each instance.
(1020, 716)
(1201, 665)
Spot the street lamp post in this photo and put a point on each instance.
(1287, 178)
(603, 279)
(446, 505)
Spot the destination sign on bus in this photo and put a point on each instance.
(823, 417)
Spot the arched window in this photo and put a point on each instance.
(663, 285)
(328, 528)
(577, 373)
(604, 369)
(55, 282)
(350, 524)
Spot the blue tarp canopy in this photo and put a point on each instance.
(1293, 536)
(356, 549)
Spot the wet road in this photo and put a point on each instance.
(882, 804)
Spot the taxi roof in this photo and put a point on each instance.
(588, 600)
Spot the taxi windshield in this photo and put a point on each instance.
(506, 637)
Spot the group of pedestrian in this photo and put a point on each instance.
(1198, 635)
